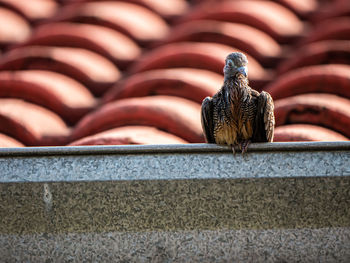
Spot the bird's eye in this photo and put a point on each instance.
(230, 63)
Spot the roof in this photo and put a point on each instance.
(76, 72)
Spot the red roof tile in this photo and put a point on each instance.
(175, 115)
(129, 135)
(272, 18)
(332, 9)
(209, 56)
(93, 70)
(167, 9)
(321, 78)
(13, 28)
(335, 28)
(31, 124)
(305, 132)
(54, 91)
(322, 52)
(33, 10)
(189, 83)
(246, 38)
(103, 40)
(139, 23)
(6, 141)
(302, 8)
(320, 109)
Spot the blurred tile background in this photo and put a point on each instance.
(80, 72)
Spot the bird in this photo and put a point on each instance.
(237, 114)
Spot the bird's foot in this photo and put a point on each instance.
(244, 146)
(233, 149)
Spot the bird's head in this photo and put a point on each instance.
(234, 63)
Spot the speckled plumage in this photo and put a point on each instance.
(238, 114)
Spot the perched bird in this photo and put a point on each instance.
(237, 114)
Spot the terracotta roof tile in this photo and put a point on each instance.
(272, 18)
(209, 56)
(6, 141)
(129, 135)
(332, 9)
(54, 91)
(302, 8)
(246, 38)
(321, 78)
(318, 53)
(189, 83)
(105, 41)
(139, 23)
(335, 28)
(168, 9)
(15, 30)
(305, 132)
(175, 115)
(320, 109)
(91, 69)
(33, 10)
(31, 124)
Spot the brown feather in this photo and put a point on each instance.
(264, 119)
(207, 120)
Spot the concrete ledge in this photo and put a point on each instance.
(170, 162)
(171, 148)
(176, 203)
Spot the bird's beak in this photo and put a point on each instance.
(243, 70)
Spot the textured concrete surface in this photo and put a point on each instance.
(281, 245)
(187, 203)
(146, 205)
(172, 162)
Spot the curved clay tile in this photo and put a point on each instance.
(175, 115)
(321, 78)
(209, 56)
(6, 141)
(332, 9)
(139, 23)
(270, 17)
(320, 109)
(246, 38)
(54, 91)
(93, 70)
(189, 83)
(168, 9)
(305, 132)
(323, 52)
(302, 8)
(14, 30)
(31, 124)
(330, 29)
(102, 40)
(33, 10)
(129, 135)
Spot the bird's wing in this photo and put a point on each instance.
(265, 119)
(207, 119)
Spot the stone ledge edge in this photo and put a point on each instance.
(171, 148)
